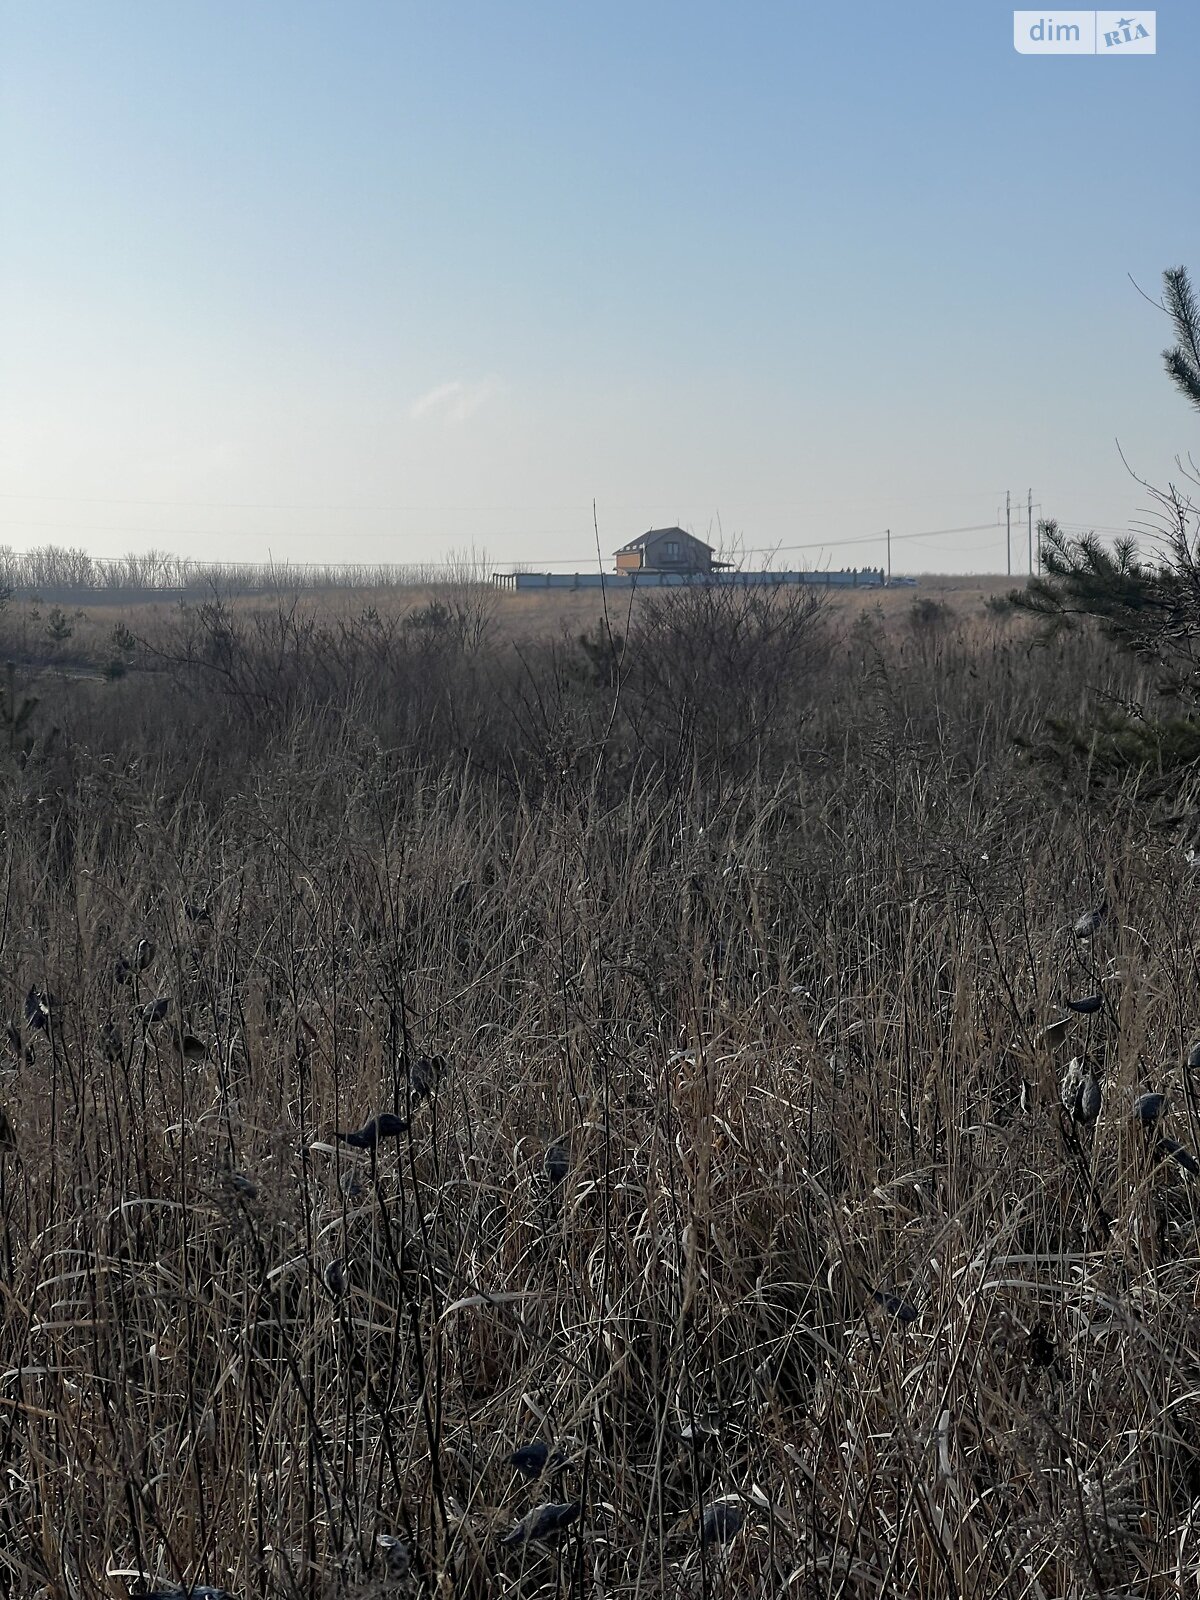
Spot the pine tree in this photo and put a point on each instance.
(1151, 609)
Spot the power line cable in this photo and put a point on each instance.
(578, 563)
(314, 505)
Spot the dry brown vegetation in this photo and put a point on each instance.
(745, 1177)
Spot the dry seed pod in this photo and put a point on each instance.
(396, 1558)
(37, 1009)
(1090, 923)
(1087, 1005)
(722, 1521)
(1087, 1102)
(556, 1163)
(423, 1076)
(199, 1591)
(530, 1459)
(1055, 1032)
(351, 1184)
(543, 1522)
(902, 1309)
(1180, 1154)
(1149, 1108)
(385, 1126)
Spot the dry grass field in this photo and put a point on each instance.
(522, 617)
(712, 977)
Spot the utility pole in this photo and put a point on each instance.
(1008, 527)
(889, 540)
(1031, 533)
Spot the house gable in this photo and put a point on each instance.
(665, 550)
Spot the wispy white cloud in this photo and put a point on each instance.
(457, 400)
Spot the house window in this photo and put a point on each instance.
(672, 549)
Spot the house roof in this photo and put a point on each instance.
(657, 533)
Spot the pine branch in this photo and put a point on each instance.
(1183, 360)
(1183, 373)
(1183, 311)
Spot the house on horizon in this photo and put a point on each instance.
(668, 550)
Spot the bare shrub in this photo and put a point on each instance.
(713, 668)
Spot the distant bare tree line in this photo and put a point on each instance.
(53, 572)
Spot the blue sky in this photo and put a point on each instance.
(374, 281)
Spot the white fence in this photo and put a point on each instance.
(854, 578)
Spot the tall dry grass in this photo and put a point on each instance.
(756, 916)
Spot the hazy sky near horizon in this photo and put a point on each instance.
(374, 280)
